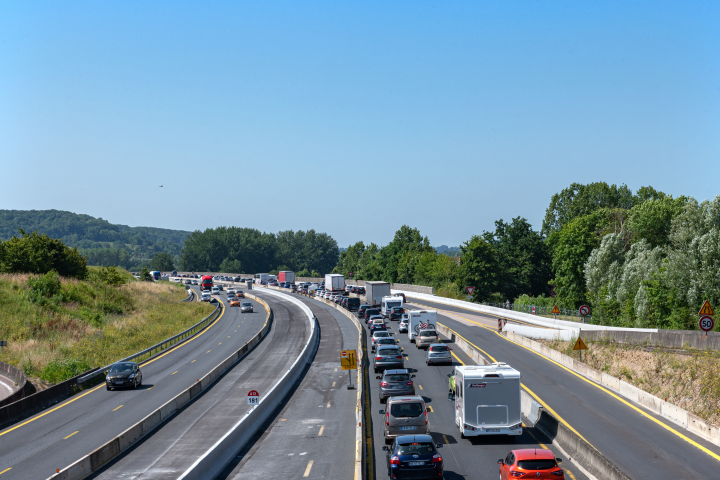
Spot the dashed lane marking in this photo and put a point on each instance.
(71, 434)
(307, 470)
(118, 408)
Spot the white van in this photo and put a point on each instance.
(420, 319)
(487, 400)
(388, 303)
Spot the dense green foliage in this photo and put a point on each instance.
(246, 250)
(103, 243)
(38, 253)
(162, 262)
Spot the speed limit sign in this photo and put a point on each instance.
(706, 323)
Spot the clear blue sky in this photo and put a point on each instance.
(351, 117)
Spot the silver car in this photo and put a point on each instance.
(405, 415)
(426, 338)
(387, 356)
(395, 383)
(246, 307)
(403, 327)
(438, 353)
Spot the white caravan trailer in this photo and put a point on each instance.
(418, 318)
(388, 303)
(487, 400)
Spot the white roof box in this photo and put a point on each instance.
(503, 370)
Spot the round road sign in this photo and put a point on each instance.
(584, 311)
(706, 323)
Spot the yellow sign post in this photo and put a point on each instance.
(580, 345)
(348, 361)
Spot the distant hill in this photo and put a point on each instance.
(104, 243)
(449, 251)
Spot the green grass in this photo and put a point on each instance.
(57, 328)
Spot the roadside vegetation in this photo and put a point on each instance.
(688, 378)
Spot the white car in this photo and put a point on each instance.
(230, 295)
(216, 290)
(205, 297)
(403, 327)
(246, 307)
(231, 290)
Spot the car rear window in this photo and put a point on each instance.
(420, 447)
(539, 464)
(406, 409)
(388, 351)
(439, 348)
(430, 333)
(381, 334)
(397, 377)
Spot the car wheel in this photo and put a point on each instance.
(135, 384)
(108, 388)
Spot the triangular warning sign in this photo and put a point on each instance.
(555, 310)
(706, 309)
(580, 345)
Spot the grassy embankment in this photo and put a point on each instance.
(689, 379)
(57, 330)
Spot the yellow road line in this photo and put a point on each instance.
(173, 373)
(328, 405)
(430, 409)
(446, 440)
(194, 361)
(322, 429)
(71, 434)
(307, 470)
(456, 358)
(5, 470)
(100, 386)
(118, 408)
(420, 386)
(208, 351)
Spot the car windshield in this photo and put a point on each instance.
(439, 348)
(397, 377)
(410, 448)
(121, 367)
(406, 409)
(388, 351)
(246, 304)
(539, 464)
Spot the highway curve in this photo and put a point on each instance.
(60, 435)
(639, 442)
(172, 449)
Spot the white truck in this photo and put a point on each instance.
(387, 304)
(420, 320)
(334, 282)
(261, 277)
(375, 291)
(487, 400)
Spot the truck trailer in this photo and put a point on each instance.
(375, 291)
(334, 282)
(420, 320)
(286, 277)
(487, 400)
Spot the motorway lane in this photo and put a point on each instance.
(314, 434)
(472, 457)
(639, 446)
(172, 449)
(57, 437)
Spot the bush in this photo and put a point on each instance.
(111, 276)
(145, 275)
(35, 253)
(58, 371)
(45, 287)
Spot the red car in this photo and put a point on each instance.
(533, 463)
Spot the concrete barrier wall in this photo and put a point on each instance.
(23, 387)
(672, 412)
(99, 457)
(661, 338)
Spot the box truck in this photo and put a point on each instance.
(286, 277)
(375, 291)
(487, 400)
(387, 304)
(261, 277)
(334, 282)
(420, 320)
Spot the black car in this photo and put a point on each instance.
(361, 310)
(414, 456)
(123, 374)
(361, 291)
(352, 304)
(370, 312)
(396, 313)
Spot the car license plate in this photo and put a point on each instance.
(415, 464)
(407, 428)
(492, 430)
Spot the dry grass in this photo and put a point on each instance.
(688, 379)
(93, 325)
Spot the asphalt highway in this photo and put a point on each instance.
(313, 436)
(60, 435)
(172, 449)
(640, 443)
(472, 457)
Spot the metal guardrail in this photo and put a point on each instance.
(165, 344)
(191, 295)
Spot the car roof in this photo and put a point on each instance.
(397, 370)
(405, 398)
(385, 332)
(533, 453)
(413, 439)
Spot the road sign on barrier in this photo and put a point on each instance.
(348, 359)
(584, 311)
(555, 310)
(253, 397)
(706, 323)
(706, 309)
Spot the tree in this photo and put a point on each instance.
(162, 262)
(478, 268)
(36, 253)
(230, 266)
(145, 275)
(652, 219)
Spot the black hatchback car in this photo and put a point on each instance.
(396, 313)
(414, 456)
(361, 310)
(123, 374)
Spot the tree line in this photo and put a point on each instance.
(247, 250)
(642, 259)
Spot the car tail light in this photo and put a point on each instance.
(387, 419)
(399, 357)
(558, 473)
(395, 460)
(437, 458)
(378, 358)
(383, 384)
(517, 474)
(409, 383)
